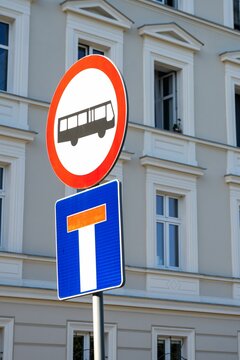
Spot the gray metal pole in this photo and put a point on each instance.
(98, 326)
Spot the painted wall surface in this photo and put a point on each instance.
(192, 168)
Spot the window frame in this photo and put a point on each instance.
(163, 98)
(159, 49)
(7, 324)
(186, 335)
(85, 327)
(17, 15)
(7, 47)
(161, 179)
(168, 220)
(2, 205)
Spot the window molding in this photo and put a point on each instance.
(234, 193)
(12, 156)
(170, 46)
(7, 324)
(109, 329)
(188, 336)
(17, 14)
(231, 61)
(180, 180)
(106, 32)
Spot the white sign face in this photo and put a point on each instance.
(86, 121)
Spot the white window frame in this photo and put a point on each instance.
(173, 54)
(161, 180)
(7, 47)
(232, 80)
(228, 13)
(235, 227)
(106, 33)
(17, 15)
(2, 197)
(167, 97)
(167, 220)
(186, 335)
(7, 324)
(109, 329)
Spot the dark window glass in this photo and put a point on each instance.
(160, 243)
(160, 204)
(3, 69)
(78, 347)
(173, 245)
(4, 29)
(165, 100)
(98, 52)
(173, 207)
(160, 349)
(82, 51)
(237, 110)
(236, 12)
(176, 350)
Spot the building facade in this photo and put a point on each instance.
(179, 169)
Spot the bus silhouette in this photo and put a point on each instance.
(94, 120)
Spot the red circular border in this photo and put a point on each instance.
(88, 180)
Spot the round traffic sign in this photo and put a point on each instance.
(87, 122)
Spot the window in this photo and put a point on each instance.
(84, 37)
(237, 115)
(172, 3)
(6, 338)
(165, 98)
(83, 346)
(169, 349)
(236, 14)
(173, 344)
(4, 51)
(167, 230)
(80, 341)
(168, 53)
(84, 50)
(14, 46)
(2, 196)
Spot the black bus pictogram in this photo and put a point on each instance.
(96, 119)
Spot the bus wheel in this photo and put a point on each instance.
(74, 142)
(101, 133)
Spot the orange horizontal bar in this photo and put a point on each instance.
(86, 218)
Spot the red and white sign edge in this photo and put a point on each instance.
(94, 177)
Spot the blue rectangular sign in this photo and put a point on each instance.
(89, 241)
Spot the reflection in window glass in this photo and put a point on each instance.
(160, 243)
(4, 49)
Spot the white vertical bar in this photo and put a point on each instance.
(87, 258)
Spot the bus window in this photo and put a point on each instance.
(72, 122)
(109, 112)
(63, 125)
(100, 113)
(82, 118)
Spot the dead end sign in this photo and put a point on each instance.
(87, 122)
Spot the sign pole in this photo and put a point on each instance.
(98, 326)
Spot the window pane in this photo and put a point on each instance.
(98, 52)
(3, 69)
(91, 348)
(158, 100)
(176, 350)
(160, 349)
(173, 245)
(4, 28)
(82, 51)
(168, 85)
(78, 347)
(1, 178)
(168, 114)
(160, 243)
(173, 207)
(237, 112)
(159, 204)
(236, 10)
(171, 3)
